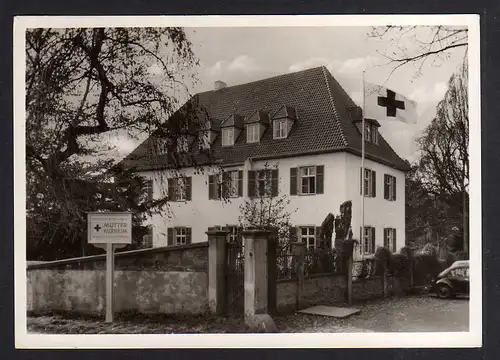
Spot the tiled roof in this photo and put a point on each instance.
(325, 122)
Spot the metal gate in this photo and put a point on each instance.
(235, 265)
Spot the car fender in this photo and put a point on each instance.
(444, 281)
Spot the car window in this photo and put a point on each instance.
(460, 271)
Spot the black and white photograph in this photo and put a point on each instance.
(259, 181)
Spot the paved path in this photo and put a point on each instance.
(415, 314)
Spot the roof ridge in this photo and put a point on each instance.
(263, 79)
(323, 68)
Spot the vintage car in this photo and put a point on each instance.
(452, 281)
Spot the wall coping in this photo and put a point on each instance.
(283, 280)
(123, 254)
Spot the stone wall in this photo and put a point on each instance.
(286, 295)
(192, 257)
(161, 280)
(365, 289)
(318, 289)
(323, 289)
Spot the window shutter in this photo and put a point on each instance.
(362, 244)
(292, 233)
(170, 236)
(240, 183)
(274, 182)
(210, 187)
(251, 183)
(374, 183)
(319, 179)
(293, 181)
(317, 233)
(360, 181)
(150, 190)
(386, 242)
(188, 188)
(394, 239)
(171, 189)
(373, 240)
(188, 235)
(386, 187)
(226, 181)
(394, 188)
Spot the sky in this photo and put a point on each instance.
(238, 55)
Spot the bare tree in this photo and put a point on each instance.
(83, 87)
(269, 210)
(443, 167)
(419, 45)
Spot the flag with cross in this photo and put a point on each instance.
(382, 103)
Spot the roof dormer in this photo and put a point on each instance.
(207, 132)
(255, 125)
(371, 130)
(231, 128)
(283, 120)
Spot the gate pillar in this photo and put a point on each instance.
(256, 281)
(216, 271)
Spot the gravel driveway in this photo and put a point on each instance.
(413, 314)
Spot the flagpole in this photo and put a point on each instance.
(362, 238)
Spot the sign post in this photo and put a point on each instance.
(109, 231)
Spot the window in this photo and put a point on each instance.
(369, 183)
(306, 180)
(280, 128)
(253, 133)
(179, 189)
(227, 184)
(308, 236)
(389, 187)
(147, 240)
(148, 190)
(368, 245)
(234, 232)
(459, 272)
(228, 137)
(371, 133)
(263, 183)
(178, 236)
(390, 239)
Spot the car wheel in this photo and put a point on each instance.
(444, 291)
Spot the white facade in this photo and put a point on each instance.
(341, 183)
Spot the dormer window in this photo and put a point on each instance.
(283, 120)
(228, 137)
(371, 132)
(255, 125)
(253, 133)
(280, 128)
(204, 140)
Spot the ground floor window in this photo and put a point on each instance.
(390, 239)
(369, 240)
(234, 232)
(179, 235)
(307, 235)
(147, 240)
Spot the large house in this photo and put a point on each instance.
(307, 129)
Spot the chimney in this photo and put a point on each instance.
(219, 85)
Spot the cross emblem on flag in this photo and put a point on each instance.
(382, 103)
(391, 103)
